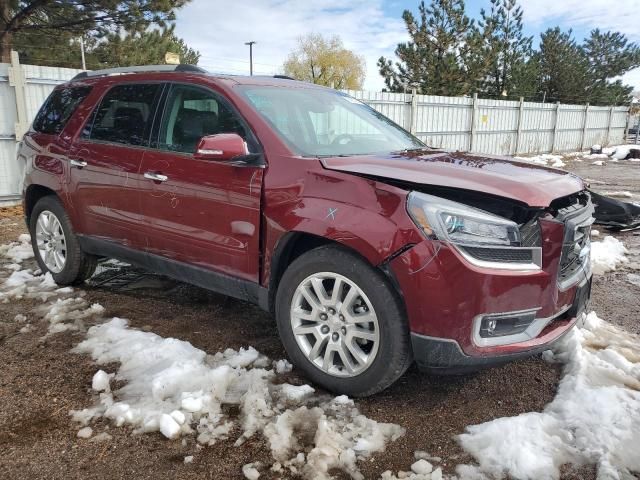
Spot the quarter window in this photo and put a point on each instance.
(125, 115)
(57, 110)
(192, 113)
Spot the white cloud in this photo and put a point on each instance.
(632, 78)
(618, 15)
(220, 29)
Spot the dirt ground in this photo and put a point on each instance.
(41, 380)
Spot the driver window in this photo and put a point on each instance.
(192, 113)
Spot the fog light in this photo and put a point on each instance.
(506, 324)
(491, 326)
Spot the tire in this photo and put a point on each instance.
(386, 362)
(77, 266)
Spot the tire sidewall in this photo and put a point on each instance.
(391, 319)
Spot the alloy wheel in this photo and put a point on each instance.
(51, 242)
(334, 324)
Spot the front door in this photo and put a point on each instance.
(201, 212)
(105, 164)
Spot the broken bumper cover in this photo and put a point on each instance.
(447, 300)
(443, 356)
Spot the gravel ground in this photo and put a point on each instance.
(40, 380)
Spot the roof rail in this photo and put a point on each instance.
(140, 69)
(285, 77)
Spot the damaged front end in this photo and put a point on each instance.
(494, 279)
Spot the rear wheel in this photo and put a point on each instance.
(341, 322)
(56, 246)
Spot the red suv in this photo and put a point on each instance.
(371, 249)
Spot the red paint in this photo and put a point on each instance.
(230, 218)
(532, 184)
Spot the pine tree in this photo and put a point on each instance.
(508, 50)
(563, 73)
(140, 48)
(80, 17)
(609, 55)
(442, 56)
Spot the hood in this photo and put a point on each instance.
(535, 185)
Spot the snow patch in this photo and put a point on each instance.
(594, 418)
(250, 471)
(177, 389)
(621, 151)
(633, 279)
(18, 251)
(619, 194)
(544, 159)
(607, 255)
(85, 432)
(100, 381)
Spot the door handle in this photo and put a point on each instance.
(78, 163)
(156, 177)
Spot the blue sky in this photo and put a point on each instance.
(218, 29)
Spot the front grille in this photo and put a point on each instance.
(577, 217)
(530, 234)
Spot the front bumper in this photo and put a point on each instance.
(445, 295)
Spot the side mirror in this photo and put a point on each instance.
(221, 147)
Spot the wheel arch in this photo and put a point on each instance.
(296, 243)
(34, 193)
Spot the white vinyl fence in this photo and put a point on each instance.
(498, 126)
(23, 88)
(454, 123)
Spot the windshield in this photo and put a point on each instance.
(327, 123)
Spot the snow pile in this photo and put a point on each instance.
(18, 251)
(177, 389)
(63, 308)
(620, 152)
(607, 254)
(422, 469)
(633, 279)
(599, 163)
(544, 159)
(594, 418)
(25, 284)
(619, 194)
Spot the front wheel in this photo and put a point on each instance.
(342, 323)
(56, 246)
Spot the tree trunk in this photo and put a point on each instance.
(5, 47)
(5, 36)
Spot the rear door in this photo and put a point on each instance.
(105, 163)
(201, 212)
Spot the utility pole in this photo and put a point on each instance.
(250, 56)
(84, 64)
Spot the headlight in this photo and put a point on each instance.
(483, 238)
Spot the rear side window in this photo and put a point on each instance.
(125, 115)
(58, 108)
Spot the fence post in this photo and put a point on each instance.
(17, 81)
(609, 126)
(519, 128)
(584, 126)
(472, 136)
(555, 128)
(414, 111)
